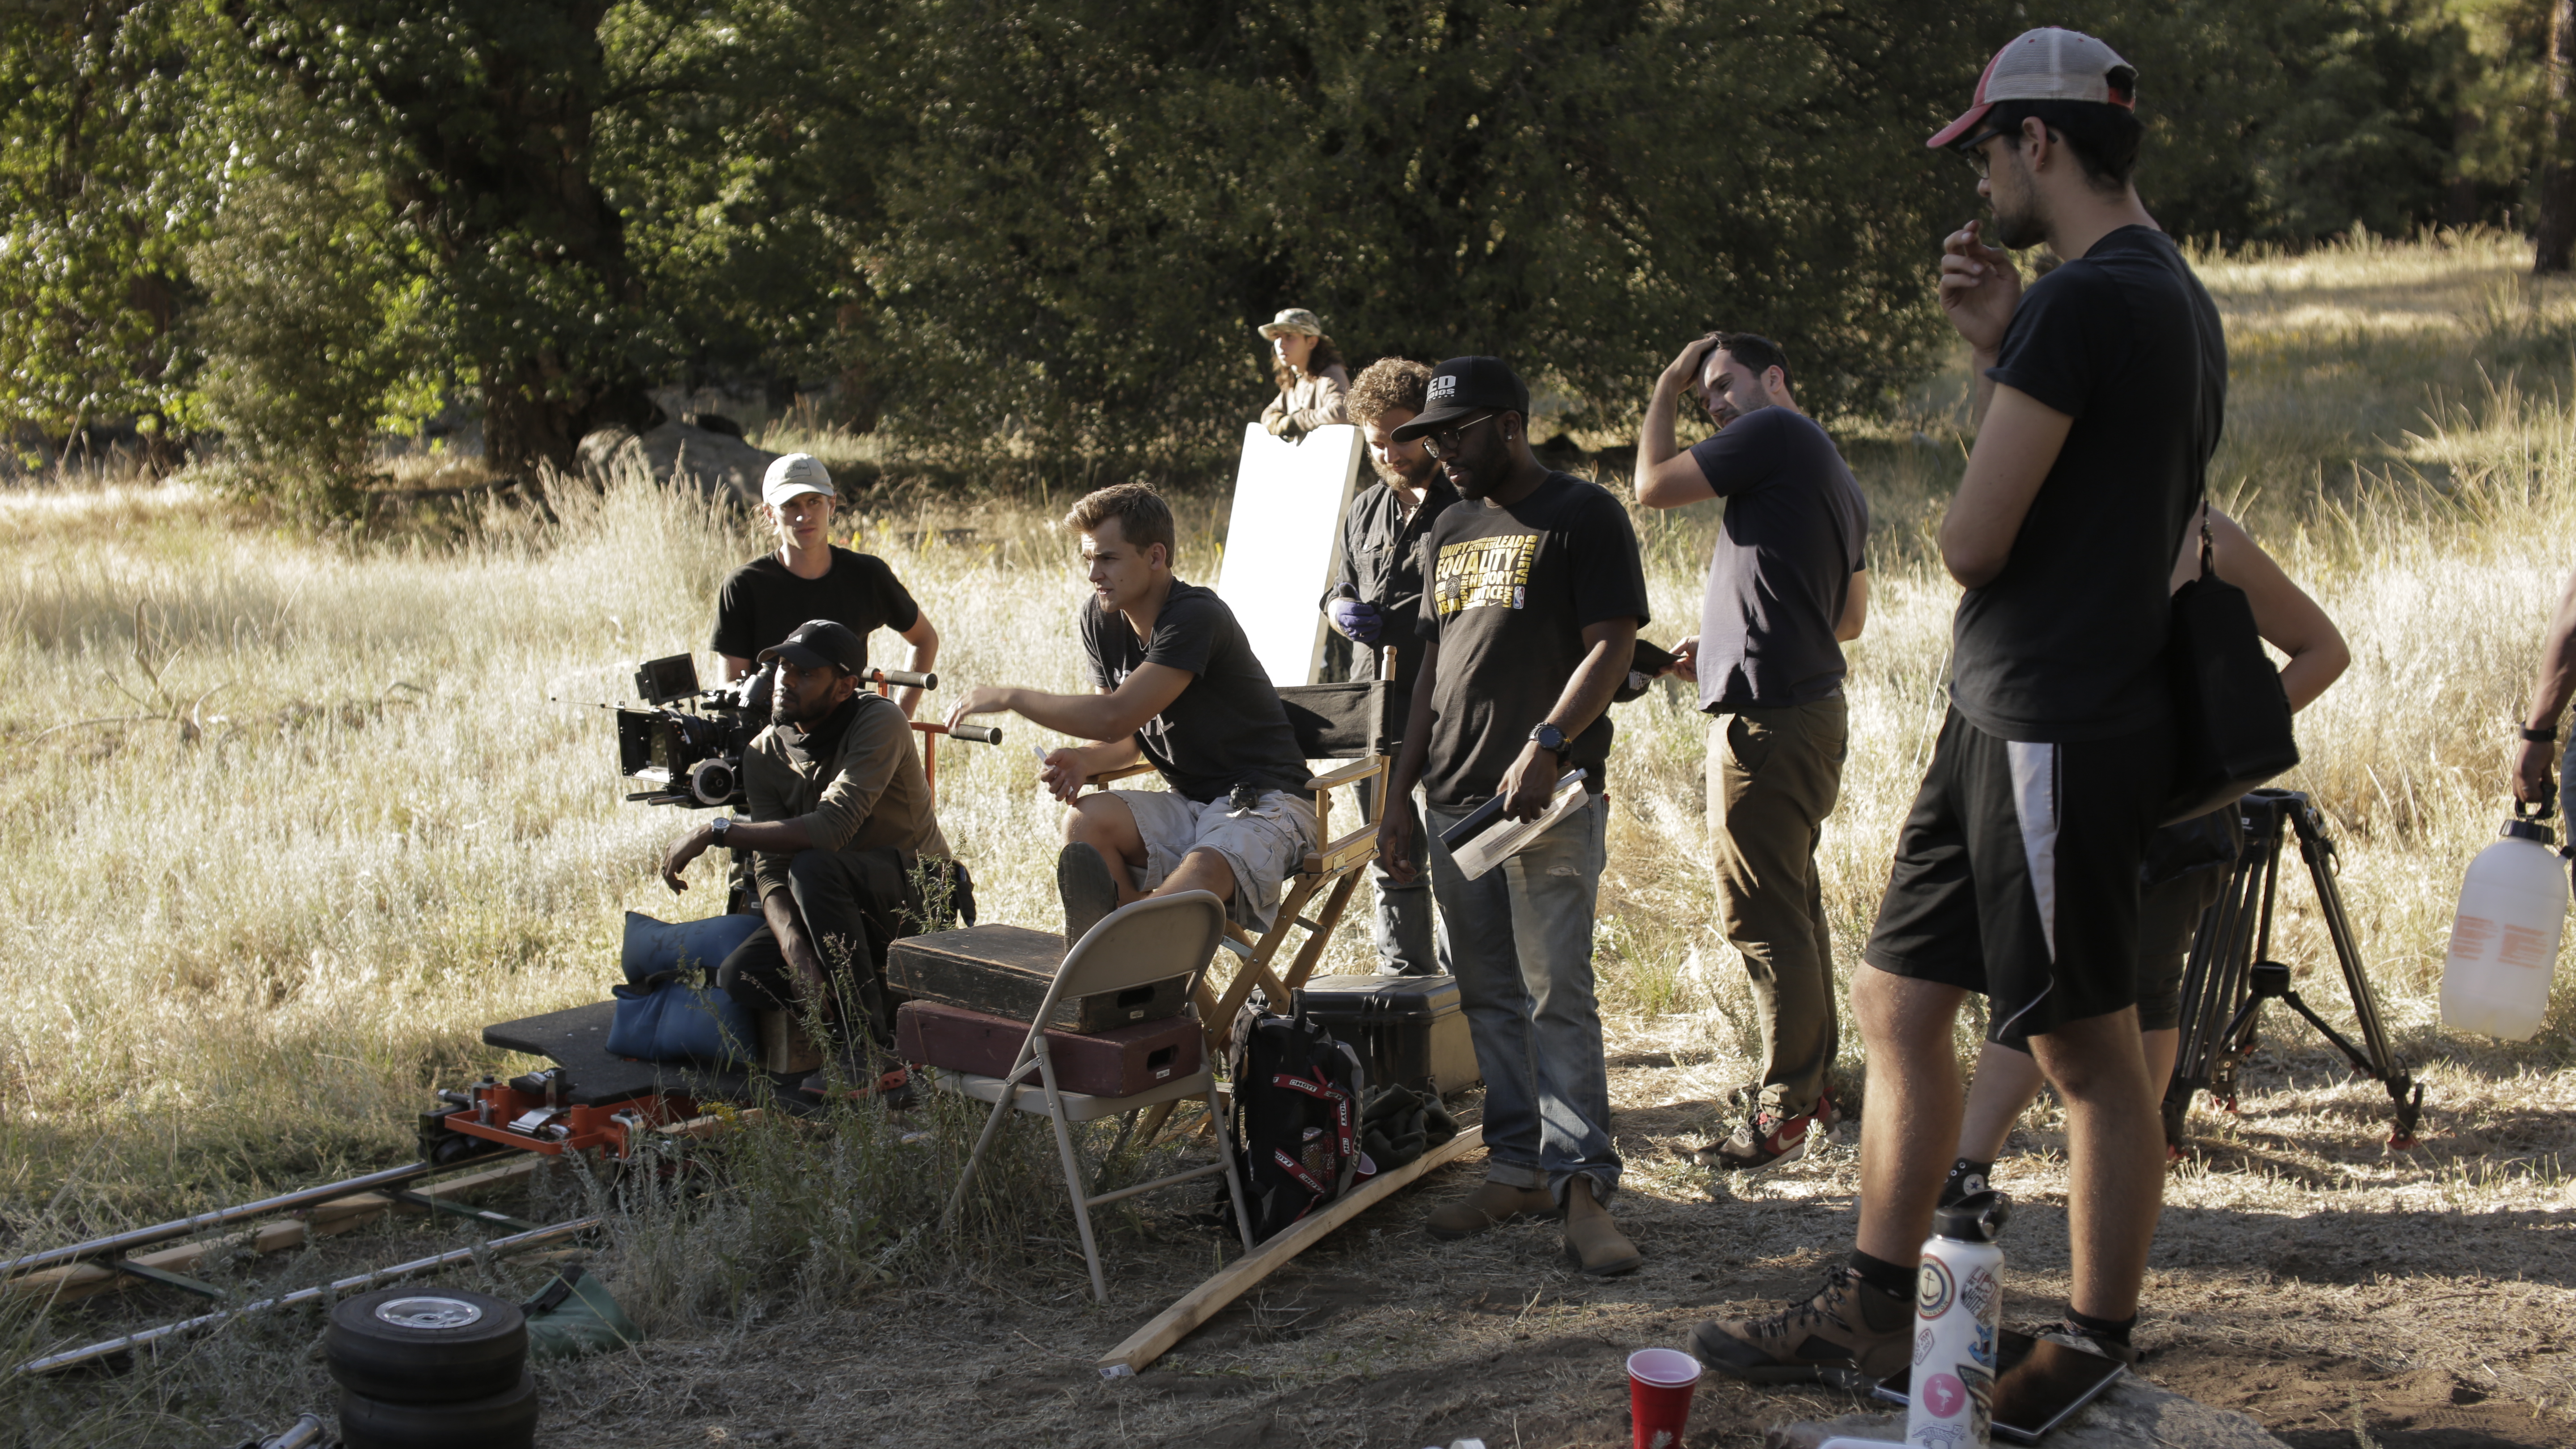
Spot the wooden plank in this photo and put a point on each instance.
(1204, 1302)
(74, 1281)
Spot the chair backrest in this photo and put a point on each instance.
(1144, 941)
(1341, 721)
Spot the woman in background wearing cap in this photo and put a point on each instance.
(1310, 375)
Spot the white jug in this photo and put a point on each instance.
(2504, 941)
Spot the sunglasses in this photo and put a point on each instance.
(1445, 444)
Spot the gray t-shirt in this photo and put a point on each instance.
(1781, 571)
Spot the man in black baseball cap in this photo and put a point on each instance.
(1533, 594)
(840, 815)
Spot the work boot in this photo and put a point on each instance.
(1089, 891)
(1593, 1243)
(1491, 1205)
(1848, 1325)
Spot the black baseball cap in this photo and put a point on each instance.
(818, 643)
(1461, 388)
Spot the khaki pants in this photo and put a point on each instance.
(1773, 777)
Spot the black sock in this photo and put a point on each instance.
(1896, 1280)
(2102, 1328)
(1957, 1186)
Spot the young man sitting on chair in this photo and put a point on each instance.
(1178, 687)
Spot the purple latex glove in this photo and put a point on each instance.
(1356, 619)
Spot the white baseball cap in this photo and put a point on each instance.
(2047, 64)
(793, 475)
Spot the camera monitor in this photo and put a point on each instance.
(660, 681)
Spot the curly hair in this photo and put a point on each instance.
(1391, 384)
(1144, 519)
(1325, 355)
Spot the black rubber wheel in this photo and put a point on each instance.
(426, 1345)
(502, 1421)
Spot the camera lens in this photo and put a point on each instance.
(711, 781)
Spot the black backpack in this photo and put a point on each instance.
(1297, 1096)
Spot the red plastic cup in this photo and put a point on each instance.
(1660, 1384)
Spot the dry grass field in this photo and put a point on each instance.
(289, 819)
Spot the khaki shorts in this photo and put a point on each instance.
(1264, 844)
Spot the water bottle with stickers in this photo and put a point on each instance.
(1958, 1300)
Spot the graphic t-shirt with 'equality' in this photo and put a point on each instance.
(1509, 593)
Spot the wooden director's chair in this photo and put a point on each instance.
(1332, 722)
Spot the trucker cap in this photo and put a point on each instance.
(1461, 388)
(792, 474)
(2047, 64)
(1293, 319)
(818, 643)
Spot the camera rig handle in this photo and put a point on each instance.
(901, 679)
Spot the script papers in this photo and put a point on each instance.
(1283, 541)
(1503, 841)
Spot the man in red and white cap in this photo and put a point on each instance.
(2100, 393)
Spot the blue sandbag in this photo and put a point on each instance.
(677, 1022)
(654, 947)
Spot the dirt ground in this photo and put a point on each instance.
(2340, 1293)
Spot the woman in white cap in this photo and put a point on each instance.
(1309, 372)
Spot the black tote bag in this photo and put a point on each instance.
(2231, 717)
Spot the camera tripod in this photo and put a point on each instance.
(2231, 974)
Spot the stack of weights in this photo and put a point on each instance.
(431, 1369)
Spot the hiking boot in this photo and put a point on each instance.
(1089, 891)
(1593, 1244)
(1847, 1326)
(2067, 1333)
(1490, 1206)
(1767, 1138)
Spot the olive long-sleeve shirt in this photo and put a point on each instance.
(854, 779)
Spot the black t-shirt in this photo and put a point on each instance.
(763, 603)
(1510, 591)
(1781, 571)
(1228, 727)
(2068, 642)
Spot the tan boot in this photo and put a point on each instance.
(1593, 1243)
(1490, 1205)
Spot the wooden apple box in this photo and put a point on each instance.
(1005, 971)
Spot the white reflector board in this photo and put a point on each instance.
(1284, 539)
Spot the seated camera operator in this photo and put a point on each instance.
(811, 578)
(839, 817)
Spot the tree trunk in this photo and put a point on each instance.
(2557, 229)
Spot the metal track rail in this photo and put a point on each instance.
(184, 1227)
(73, 1358)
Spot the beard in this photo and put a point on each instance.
(2020, 225)
(1416, 478)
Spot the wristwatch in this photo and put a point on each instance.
(2548, 736)
(1549, 738)
(723, 824)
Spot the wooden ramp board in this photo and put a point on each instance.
(1283, 540)
(1204, 1302)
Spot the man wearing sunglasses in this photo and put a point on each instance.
(1786, 589)
(2100, 392)
(1528, 623)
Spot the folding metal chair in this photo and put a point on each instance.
(1150, 940)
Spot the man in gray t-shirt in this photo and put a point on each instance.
(1787, 584)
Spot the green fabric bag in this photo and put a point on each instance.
(575, 1316)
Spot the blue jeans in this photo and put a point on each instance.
(1520, 943)
(1407, 944)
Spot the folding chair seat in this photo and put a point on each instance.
(1150, 940)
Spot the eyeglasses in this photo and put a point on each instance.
(1974, 148)
(1444, 445)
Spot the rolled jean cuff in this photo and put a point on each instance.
(1514, 1174)
(1605, 1184)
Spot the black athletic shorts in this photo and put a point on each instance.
(2017, 874)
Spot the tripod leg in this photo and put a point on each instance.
(2382, 1061)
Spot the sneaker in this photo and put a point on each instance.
(1847, 1327)
(1963, 1181)
(1767, 1138)
(1089, 891)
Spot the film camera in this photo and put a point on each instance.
(686, 743)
